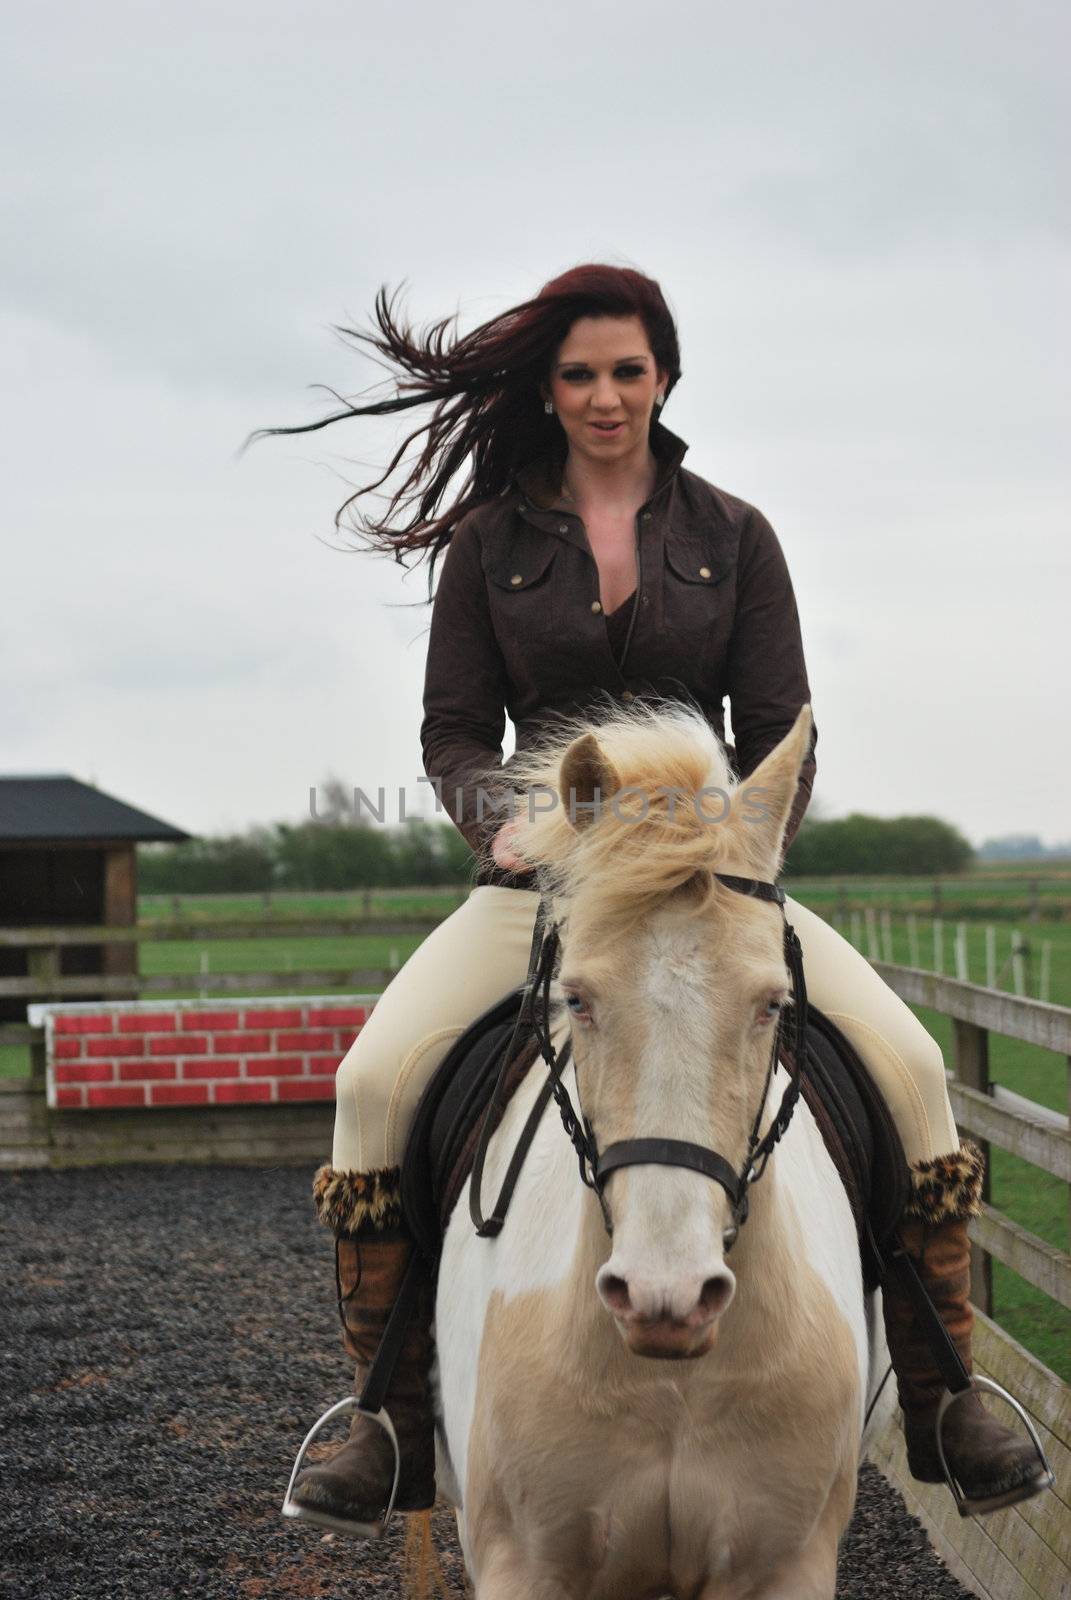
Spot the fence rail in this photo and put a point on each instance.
(46, 979)
(993, 1116)
(200, 930)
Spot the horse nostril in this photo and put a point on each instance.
(614, 1293)
(717, 1292)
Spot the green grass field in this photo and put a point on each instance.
(1030, 1197)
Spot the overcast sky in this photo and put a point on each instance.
(858, 213)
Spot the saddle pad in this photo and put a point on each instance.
(850, 1112)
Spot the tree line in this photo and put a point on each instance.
(334, 854)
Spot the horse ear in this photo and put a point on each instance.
(586, 781)
(762, 802)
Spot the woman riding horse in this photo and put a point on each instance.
(585, 563)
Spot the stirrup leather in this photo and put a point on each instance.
(322, 1519)
(969, 1506)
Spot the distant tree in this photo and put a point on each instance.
(332, 800)
(1014, 847)
(233, 864)
(886, 845)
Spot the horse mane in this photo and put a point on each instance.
(648, 842)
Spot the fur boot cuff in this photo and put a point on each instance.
(345, 1200)
(948, 1188)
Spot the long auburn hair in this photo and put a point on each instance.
(484, 386)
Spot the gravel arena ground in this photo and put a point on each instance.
(168, 1336)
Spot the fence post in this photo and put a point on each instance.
(873, 948)
(43, 965)
(938, 946)
(970, 1062)
(912, 939)
(990, 956)
(963, 971)
(38, 1067)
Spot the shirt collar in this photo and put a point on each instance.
(540, 480)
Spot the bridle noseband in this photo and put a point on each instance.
(595, 1168)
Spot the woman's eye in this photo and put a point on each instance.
(583, 375)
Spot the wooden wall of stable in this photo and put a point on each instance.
(1023, 1553)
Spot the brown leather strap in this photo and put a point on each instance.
(488, 1227)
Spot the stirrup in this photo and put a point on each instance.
(322, 1519)
(967, 1506)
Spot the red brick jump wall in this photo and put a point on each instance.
(188, 1053)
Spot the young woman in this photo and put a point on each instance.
(585, 562)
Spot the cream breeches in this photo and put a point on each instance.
(481, 951)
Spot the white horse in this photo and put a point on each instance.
(627, 1415)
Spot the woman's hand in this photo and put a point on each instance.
(503, 856)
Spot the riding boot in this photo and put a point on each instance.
(373, 1249)
(993, 1466)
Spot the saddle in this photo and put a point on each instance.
(850, 1112)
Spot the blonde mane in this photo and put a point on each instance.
(655, 830)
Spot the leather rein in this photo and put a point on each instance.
(595, 1168)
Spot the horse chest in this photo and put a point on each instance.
(656, 1502)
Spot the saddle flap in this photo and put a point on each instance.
(859, 1134)
(442, 1134)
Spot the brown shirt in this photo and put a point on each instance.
(516, 629)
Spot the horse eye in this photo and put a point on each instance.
(772, 1009)
(576, 1006)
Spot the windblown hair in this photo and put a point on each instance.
(488, 413)
(659, 832)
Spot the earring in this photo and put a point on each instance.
(548, 407)
(660, 401)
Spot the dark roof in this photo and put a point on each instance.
(56, 806)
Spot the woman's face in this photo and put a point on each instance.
(604, 384)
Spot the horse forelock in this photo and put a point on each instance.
(667, 823)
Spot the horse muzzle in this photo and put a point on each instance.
(670, 1322)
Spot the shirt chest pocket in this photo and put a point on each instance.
(695, 595)
(523, 569)
(520, 583)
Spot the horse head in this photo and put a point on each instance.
(672, 982)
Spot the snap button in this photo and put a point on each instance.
(596, 606)
(563, 527)
(646, 516)
(627, 694)
(704, 572)
(516, 578)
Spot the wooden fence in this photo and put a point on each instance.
(1024, 1552)
(871, 931)
(45, 978)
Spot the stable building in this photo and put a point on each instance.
(68, 856)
